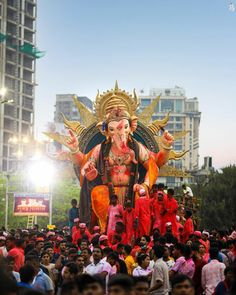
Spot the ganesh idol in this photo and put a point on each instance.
(124, 162)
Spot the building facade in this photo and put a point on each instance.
(17, 74)
(65, 104)
(184, 115)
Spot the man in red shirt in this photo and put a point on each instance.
(158, 209)
(129, 219)
(18, 254)
(78, 234)
(170, 209)
(188, 226)
(143, 214)
(119, 231)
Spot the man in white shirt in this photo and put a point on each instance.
(160, 276)
(212, 273)
(98, 267)
(187, 191)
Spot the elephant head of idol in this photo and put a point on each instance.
(118, 126)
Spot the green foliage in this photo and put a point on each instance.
(218, 199)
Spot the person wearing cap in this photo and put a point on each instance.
(143, 214)
(188, 226)
(75, 226)
(103, 241)
(73, 213)
(78, 234)
(204, 240)
(170, 209)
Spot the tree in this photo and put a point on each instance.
(218, 199)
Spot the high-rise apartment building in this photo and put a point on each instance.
(184, 115)
(17, 74)
(65, 104)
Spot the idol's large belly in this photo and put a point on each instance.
(120, 175)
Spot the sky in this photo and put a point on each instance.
(143, 43)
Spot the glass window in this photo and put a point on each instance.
(145, 102)
(178, 126)
(178, 106)
(167, 105)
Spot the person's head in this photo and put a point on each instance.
(170, 193)
(97, 253)
(182, 285)
(158, 251)
(127, 250)
(187, 251)
(143, 260)
(188, 214)
(79, 260)
(144, 241)
(82, 228)
(107, 251)
(74, 203)
(120, 285)
(112, 258)
(10, 243)
(69, 288)
(96, 229)
(205, 235)
(39, 245)
(72, 253)
(128, 206)
(103, 240)
(62, 246)
(160, 196)
(8, 286)
(120, 248)
(114, 200)
(49, 250)
(86, 253)
(90, 285)
(214, 252)
(119, 227)
(27, 274)
(168, 227)
(45, 258)
(33, 260)
(166, 252)
(178, 250)
(69, 271)
(2, 241)
(202, 249)
(141, 285)
(83, 244)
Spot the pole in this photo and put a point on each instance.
(8, 155)
(7, 201)
(50, 206)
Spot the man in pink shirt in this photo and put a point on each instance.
(212, 273)
(115, 214)
(18, 254)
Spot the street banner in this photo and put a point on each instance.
(26, 204)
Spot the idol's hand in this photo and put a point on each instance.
(167, 139)
(72, 141)
(90, 172)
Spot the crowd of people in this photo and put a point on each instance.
(150, 249)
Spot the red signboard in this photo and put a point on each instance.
(31, 204)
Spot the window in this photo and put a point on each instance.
(145, 102)
(26, 116)
(178, 106)
(167, 105)
(178, 126)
